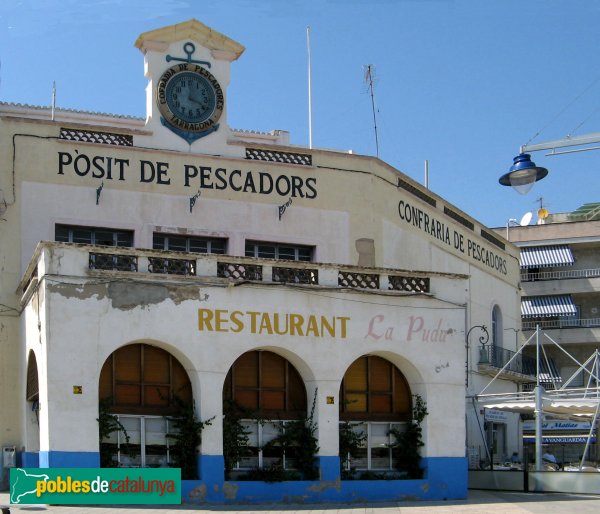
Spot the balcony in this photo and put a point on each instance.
(574, 281)
(528, 276)
(567, 330)
(493, 358)
(144, 264)
(552, 324)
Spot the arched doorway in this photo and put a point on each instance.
(375, 398)
(32, 397)
(262, 395)
(140, 386)
(33, 389)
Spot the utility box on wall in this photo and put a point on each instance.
(9, 460)
(9, 457)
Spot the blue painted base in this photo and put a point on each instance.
(30, 460)
(330, 468)
(56, 459)
(211, 467)
(446, 479)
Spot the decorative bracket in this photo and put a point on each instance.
(99, 192)
(283, 207)
(193, 200)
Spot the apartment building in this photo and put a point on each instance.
(560, 281)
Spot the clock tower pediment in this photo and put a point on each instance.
(220, 45)
(188, 71)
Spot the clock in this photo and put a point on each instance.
(190, 100)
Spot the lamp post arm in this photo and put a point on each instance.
(585, 139)
(484, 338)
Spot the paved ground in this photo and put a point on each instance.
(479, 502)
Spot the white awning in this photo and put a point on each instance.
(546, 256)
(581, 407)
(547, 306)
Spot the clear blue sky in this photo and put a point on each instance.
(460, 83)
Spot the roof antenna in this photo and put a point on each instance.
(310, 141)
(53, 98)
(370, 81)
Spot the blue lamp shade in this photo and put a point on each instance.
(523, 174)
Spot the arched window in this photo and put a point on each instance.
(374, 399)
(374, 389)
(143, 379)
(271, 394)
(140, 385)
(266, 384)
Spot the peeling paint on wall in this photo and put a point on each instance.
(230, 491)
(126, 295)
(77, 291)
(198, 493)
(325, 485)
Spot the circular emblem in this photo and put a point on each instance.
(189, 98)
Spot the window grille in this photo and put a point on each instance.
(93, 235)
(279, 251)
(190, 244)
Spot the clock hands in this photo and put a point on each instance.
(200, 101)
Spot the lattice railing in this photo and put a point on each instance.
(296, 275)
(238, 268)
(93, 136)
(239, 271)
(106, 261)
(171, 266)
(358, 280)
(409, 284)
(257, 154)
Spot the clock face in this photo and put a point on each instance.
(190, 98)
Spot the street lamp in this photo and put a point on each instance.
(523, 174)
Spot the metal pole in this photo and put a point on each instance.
(539, 414)
(309, 90)
(594, 421)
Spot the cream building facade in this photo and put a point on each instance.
(146, 258)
